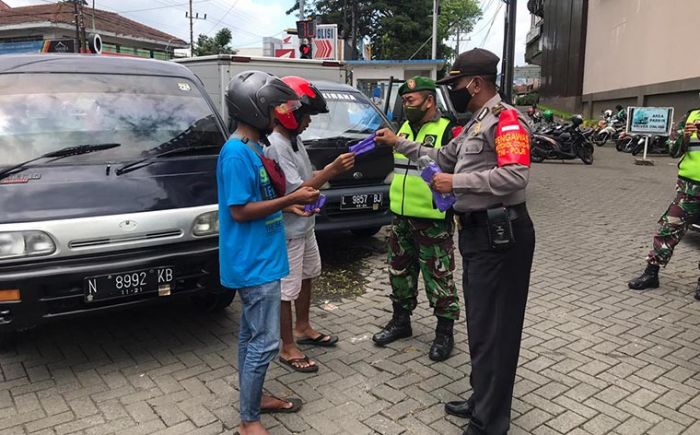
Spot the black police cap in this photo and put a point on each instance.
(476, 62)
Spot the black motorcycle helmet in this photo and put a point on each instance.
(251, 96)
(577, 120)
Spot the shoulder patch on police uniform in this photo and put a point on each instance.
(476, 128)
(497, 109)
(482, 114)
(403, 135)
(429, 140)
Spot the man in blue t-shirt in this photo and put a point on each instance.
(252, 247)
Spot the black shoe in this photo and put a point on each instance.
(697, 291)
(444, 340)
(648, 279)
(460, 408)
(441, 348)
(398, 327)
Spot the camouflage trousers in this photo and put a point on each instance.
(423, 246)
(683, 211)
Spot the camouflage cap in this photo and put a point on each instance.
(416, 84)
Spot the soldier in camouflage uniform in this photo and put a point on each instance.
(421, 240)
(685, 208)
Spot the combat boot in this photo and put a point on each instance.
(398, 327)
(444, 340)
(697, 291)
(648, 279)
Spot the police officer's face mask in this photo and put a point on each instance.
(415, 114)
(461, 97)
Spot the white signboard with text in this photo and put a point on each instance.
(649, 120)
(325, 45)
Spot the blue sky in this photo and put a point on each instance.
(251, 20)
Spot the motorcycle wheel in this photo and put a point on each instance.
(637, 149)
(619, 145)
(601, 140)
(536, 157)
(585, 153)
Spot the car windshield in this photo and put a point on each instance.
(349, 115)
(41, 113)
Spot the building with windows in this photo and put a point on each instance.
(51, 27)
(595, 54)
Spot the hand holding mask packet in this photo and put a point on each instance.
(310, 208)
(364, 146)
(429, 169)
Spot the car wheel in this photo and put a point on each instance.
(214, 301)
(366, 232)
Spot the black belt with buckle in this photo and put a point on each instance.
(479, 218)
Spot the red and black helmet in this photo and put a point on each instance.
(312, 102)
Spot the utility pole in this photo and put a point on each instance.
(436, 6)
(301, 9)
(459, 31)
(508, 64)
(192, 16)
(77, 48)
(83, 36)
(191, 31)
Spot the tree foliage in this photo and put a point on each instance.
(397, 29)
(219, 44)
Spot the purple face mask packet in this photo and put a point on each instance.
(364, 146)
(310, 208)
(428, 170)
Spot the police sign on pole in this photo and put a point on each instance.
(326, 42)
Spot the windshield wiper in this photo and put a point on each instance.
(59, 154)
(147, 161)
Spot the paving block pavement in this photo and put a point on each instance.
(596, 358)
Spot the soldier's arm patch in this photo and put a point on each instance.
(429, 140)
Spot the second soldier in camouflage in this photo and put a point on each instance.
(421, 239)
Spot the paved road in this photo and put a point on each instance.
(597, 358)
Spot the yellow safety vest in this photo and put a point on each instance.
(689, 166)
(409, 195)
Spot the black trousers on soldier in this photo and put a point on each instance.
(496, 286)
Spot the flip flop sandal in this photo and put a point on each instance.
(323, 340)
(291, 364)
(296, 406)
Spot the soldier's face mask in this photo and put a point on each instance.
(416, 113)
(461, 97)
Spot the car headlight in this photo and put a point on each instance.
(206, 224)
(389, 178)
(15, 244)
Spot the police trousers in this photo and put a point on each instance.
(496, 286)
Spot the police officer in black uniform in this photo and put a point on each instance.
(487, 168)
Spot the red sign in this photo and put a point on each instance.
(324, 48)
(288, 53)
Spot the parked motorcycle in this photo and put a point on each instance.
(563, 143)
(657, 145)
(609, 131)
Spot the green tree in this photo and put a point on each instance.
(219, 44)
(405, 28)
(397, 29)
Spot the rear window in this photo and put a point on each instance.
(40, 113)
(349, 115)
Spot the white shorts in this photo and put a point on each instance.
(304, 263)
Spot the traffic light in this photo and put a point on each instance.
(305, 51)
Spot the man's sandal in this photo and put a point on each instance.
(293, 363)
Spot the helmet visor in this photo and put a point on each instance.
(288, 107)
